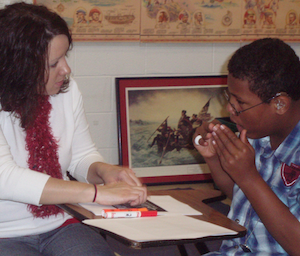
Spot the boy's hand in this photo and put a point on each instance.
(236, 155)
(202, 140)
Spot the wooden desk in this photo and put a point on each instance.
(194, 198)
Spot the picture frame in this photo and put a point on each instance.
(157, 117)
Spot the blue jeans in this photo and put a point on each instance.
(71, 240)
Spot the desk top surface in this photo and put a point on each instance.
(192, 197)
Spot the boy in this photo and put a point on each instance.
(259, 175)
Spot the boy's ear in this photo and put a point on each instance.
(282, 104)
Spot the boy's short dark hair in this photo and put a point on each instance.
(270, 66)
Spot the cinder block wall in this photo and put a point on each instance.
(95, 65)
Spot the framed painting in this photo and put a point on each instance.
(157, 117)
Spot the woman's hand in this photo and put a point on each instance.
(120, 184)
(110, 174)
(115, 173)
(121, 193)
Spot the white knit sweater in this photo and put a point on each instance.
(20, 186)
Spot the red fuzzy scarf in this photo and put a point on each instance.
(43, 156)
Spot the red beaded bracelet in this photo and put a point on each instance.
(95, 186)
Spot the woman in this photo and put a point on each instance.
(43, 123)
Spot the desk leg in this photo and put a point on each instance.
(202, 248)
(182, 250)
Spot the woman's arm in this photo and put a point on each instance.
(87, 164)
(16, 183)
(58, 191)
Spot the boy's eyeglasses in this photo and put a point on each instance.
(228, 96)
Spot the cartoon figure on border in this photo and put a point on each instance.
(269, 19)
(198, 19)
(162, 19)
(80, 17)
(95, 17)
(291, 19)
(249, 19)
(184, 19)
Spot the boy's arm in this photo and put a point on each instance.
(222, 180)
(276, 216)
(206, 149)
(237, 158)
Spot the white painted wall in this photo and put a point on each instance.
(95, 65)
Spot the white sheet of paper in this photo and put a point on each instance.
(160, 228)
(173, 206)
(170, 204)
